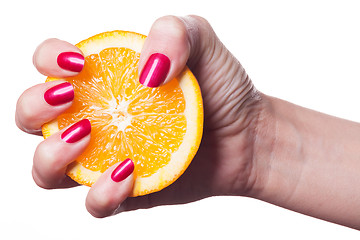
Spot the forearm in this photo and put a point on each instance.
(310, 162)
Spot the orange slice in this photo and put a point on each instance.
(160, 128)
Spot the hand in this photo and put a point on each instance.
(225, 163)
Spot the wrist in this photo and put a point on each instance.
(277, 151)
(307, 161)
(248, 148)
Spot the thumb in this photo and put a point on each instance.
(226, 88)
(111, 189)
(171, 42)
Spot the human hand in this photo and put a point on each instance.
(224, 164)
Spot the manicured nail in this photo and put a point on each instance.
(59, 94)
(122, 171)
(71, 61)
(76, 131)
(155, 70)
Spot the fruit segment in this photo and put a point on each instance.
(128, 120)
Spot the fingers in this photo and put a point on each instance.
(111, 189)
(58, 58)
(42, 103)
(171, 43)
(54, 154)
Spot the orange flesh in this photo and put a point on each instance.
(128, 120)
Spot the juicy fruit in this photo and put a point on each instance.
(127, 118)
(158, 128)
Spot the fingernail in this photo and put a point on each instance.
(76, 131)
(71, 61)
(155, 70)
(122, 171)
(59, 94)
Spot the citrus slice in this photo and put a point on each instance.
(160, 129)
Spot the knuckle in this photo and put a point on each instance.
(41, 52)
(198, 26)
(47, 158)
(102, 205)
(25, 114)
(39, 181)
(48, 171)
(37, 55)
(23, 108)
(198, 20)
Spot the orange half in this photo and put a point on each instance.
(160, 129)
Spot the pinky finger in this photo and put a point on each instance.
(112, 188)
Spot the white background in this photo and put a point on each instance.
(306, 52)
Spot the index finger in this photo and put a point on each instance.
(57, 58)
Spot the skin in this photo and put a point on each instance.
(305, 161)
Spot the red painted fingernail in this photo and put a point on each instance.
(59, 94)
(76, 131)
(122, 171)
(71, 61)
(155, 70)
